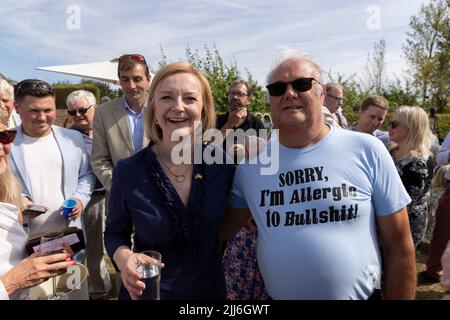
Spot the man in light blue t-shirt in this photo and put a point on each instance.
(317, 214)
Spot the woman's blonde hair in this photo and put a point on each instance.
(439, 181)
(208, 116)
(418, 137)
(10, 189)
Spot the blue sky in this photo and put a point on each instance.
(337, 34)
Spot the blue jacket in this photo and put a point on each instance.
(78, 179)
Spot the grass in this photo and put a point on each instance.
(427, 292)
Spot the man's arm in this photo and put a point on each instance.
(446, 267)
(443, 155)
(101, 160)
(233, 221)
(399, 254)
(235, 118)
(86, 181)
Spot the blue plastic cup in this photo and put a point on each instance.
(68, 206)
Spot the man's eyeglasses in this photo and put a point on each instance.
(81, 111)
(237, 94)
(277, 89)
(334, 97)
(134, 57)
(394, 124)
(7, 136)
(30, 85)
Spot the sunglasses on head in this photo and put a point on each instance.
(7, 136)
(277, 89)
(393, 124)
(30, 85)
(134, 57)
(81, 111)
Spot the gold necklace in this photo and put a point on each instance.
(180, 178)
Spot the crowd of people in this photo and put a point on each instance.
(340, 216)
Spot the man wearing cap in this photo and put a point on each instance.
(50, 162)
(119, 124)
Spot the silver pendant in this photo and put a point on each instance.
(180, 178)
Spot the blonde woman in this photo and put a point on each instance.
(17, 273)
(409, 129)
(174, 208)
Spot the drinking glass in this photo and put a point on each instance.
(52, 243)
(150, 270)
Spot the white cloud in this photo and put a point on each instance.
(334, 33)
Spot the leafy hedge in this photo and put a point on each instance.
(63, 90)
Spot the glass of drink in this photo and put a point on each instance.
(52, 243)
(148, 264)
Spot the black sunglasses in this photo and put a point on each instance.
(7, 136)
(30, 85)
(81, 111)
(277, 89)
(134, 57)
(393, 124)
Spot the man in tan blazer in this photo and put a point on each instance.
(119, 124)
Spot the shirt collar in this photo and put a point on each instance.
(127, 107)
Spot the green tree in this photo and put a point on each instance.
(104, 87)
(427, 52)
(401, 93)
(374, 75)
(220, 76)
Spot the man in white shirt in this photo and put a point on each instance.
(50, 162)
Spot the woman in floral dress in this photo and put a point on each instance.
(410, 131)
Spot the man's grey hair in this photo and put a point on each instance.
(75, 96)
(330, 86)
(5, 87)
(288, 53)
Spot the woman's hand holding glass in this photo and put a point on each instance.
(131, 277)
(51, 244)
(34, 270)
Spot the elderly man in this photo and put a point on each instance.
(333, 101)
(50, 162)
(119, 124)
(371, 114)
(316, 218)
(7, 96)
(81, 106)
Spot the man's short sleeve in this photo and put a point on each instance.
(388, 194)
